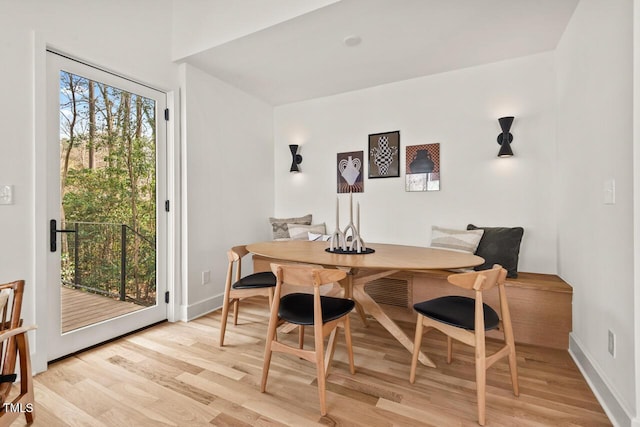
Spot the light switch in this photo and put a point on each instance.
(206, 277)
(6, 194)
(610, 192)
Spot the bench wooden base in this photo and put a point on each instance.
(540, 304)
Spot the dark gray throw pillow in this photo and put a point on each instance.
(499, 245)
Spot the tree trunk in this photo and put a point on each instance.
(92, 123)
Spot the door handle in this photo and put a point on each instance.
(53, 225)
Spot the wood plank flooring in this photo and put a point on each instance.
(84, 308)
(176, 375)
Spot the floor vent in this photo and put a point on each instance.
(389, 291)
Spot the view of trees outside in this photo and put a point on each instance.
(108, 189)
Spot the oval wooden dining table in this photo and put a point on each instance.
(364, 268)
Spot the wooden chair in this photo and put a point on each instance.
(256, 284)
(466, 319)
(14, 342)
(324, 313)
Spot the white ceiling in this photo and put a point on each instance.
(305, 57)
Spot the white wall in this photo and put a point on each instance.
(595, 241)
(140, 48)
(228, 186)
(459, 110)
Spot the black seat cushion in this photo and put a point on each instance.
(265, 279)
(457, 311)
(298, 308)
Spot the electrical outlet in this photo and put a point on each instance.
(6, 194)
(206, 277)
(612, 344)
(610, 192)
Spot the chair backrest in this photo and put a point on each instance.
(301, 276)
(482, 280)
(305, 275)
(237, 252)
(235, 255)
(11, 294)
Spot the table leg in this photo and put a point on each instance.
(347, 284)
(376, 311)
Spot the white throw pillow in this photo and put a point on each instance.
(301, 231)
(456, 240)
(319, 237)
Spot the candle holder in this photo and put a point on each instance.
(339, 239)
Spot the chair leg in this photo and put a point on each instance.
(265, 368)
(301, 337)
(272, 335)
(331, 348)
(347, 336)
(417, 342)
(513, 367)
(26, 379)
(319, 350)
(270, 297)
(449, 349)
(223, 320)
(236, 304)
(481, 380)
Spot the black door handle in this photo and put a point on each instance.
(52, 234)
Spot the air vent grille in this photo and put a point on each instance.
(389, 291)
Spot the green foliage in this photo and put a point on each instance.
(109, 181)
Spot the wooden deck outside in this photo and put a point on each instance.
(83, 308)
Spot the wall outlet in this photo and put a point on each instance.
(206, 277)
(6, 194)
(609, 192)
(612, 344)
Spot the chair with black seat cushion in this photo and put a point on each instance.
(466, 320)
(238, 287)
(324, 313)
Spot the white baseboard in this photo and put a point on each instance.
(200, 308)
(616, 412)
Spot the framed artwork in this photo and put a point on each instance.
(384, 155)
(349, 168)
(423, 168)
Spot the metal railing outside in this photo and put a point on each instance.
(113, 260)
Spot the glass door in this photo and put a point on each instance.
(106, 169)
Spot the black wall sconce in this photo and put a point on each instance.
(505, 138)
(296, 158)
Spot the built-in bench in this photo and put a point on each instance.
(540, 304)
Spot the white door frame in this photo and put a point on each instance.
(40, 237)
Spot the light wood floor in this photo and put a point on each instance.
(176, 375)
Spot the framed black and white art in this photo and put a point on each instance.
(384, 155)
